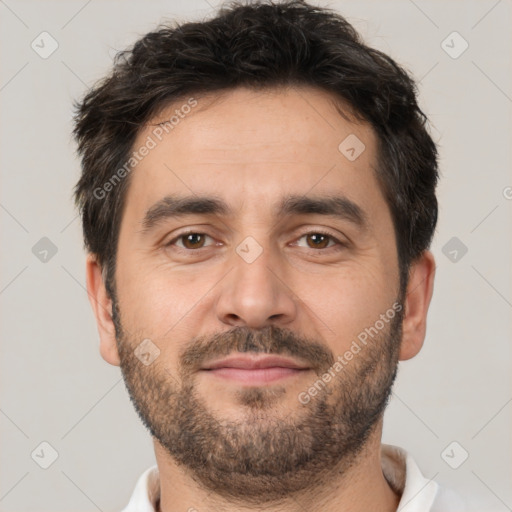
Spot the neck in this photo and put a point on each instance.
(361, 488)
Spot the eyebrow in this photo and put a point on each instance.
(173, 206)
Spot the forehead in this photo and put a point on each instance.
(253, 146)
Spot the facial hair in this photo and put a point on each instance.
(261, 459)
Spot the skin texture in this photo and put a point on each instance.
(301, 298)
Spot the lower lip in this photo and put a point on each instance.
(256, 376)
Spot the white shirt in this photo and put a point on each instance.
(418, 494)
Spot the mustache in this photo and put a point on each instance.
(268, 340)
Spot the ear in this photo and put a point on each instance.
(417, 300)
(102, 307)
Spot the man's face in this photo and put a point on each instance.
(261, 269)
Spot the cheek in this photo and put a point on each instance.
(343, 304)
(161, 303)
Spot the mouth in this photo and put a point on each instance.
(255, 369)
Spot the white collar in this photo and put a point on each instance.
(418, 494)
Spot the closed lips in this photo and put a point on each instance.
(255, 363)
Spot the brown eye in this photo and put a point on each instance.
(193, 240)
(318, 240)
(190, 241)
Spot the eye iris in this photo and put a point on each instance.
(193, 240)
(319, 240)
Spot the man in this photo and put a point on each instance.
(258, 200)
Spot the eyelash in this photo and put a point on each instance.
(339, 244)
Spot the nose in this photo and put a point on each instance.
(255, 294)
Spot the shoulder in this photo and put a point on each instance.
(145, 493)
(418, 493)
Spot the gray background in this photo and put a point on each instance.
(54, 385)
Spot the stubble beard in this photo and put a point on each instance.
(260, 459)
